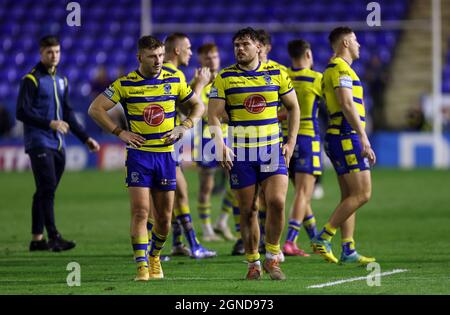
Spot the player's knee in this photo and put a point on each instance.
(140, 214)
(249, 213)
(363, 197)
(276, 204)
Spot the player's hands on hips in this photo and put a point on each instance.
(367, 150)
(287, 151)
(175, 134)
(92, 145)
(202, 76)
(227, 157)
(59, 126)
(132, 139)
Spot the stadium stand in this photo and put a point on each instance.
(109, 32)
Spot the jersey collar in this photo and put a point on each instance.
(145, 78)
(250, 72)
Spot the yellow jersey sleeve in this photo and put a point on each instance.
(114, 92)
(218, 88)
(317, 87)
(286, 85)
(185, 92)
(341, 77)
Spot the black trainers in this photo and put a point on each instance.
(38, 245)
(238, 248)
(59, 244)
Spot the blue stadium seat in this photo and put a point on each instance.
(108, 33)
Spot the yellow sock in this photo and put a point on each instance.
(348, 246)
(157, 245)
(204, 211)
(140, 244)
(251, 258)
(184, 209)
(274, 249)
(327, 233)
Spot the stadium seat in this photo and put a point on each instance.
(108, 34)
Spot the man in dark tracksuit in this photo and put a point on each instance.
(44, 109)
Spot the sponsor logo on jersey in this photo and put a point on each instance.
(136, 92)
(154, 115)
(255, 103)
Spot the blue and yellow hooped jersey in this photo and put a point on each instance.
(339, 74)
(170, 67)
(205, 99)
(251, 102)
(149, 105)
(273, 63)
(308, 87)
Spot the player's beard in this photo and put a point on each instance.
(245, 61)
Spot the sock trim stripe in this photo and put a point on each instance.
(295, 223)
(140, 246)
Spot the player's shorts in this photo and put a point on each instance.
(206, 153)
(344, 152)
(254, 167)
(150, 169)
(307, 156)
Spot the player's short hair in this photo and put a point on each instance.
(337, 34)
(246, 32)
(264, 37)
(298, 47)
(149, 42)
(49, 41)
(171, 41)
(207, 48)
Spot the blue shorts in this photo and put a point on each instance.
(307, 156)
(256, 166)
(344, 152)
(151, 169)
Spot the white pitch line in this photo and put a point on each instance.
(329, 284)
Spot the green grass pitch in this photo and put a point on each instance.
(405, 225)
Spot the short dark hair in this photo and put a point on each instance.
(337, 34)
(298, 47)
(149, 42)
(264, 37)
(246, 32)
(206, 48)
(172, 39)
(49, 41)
